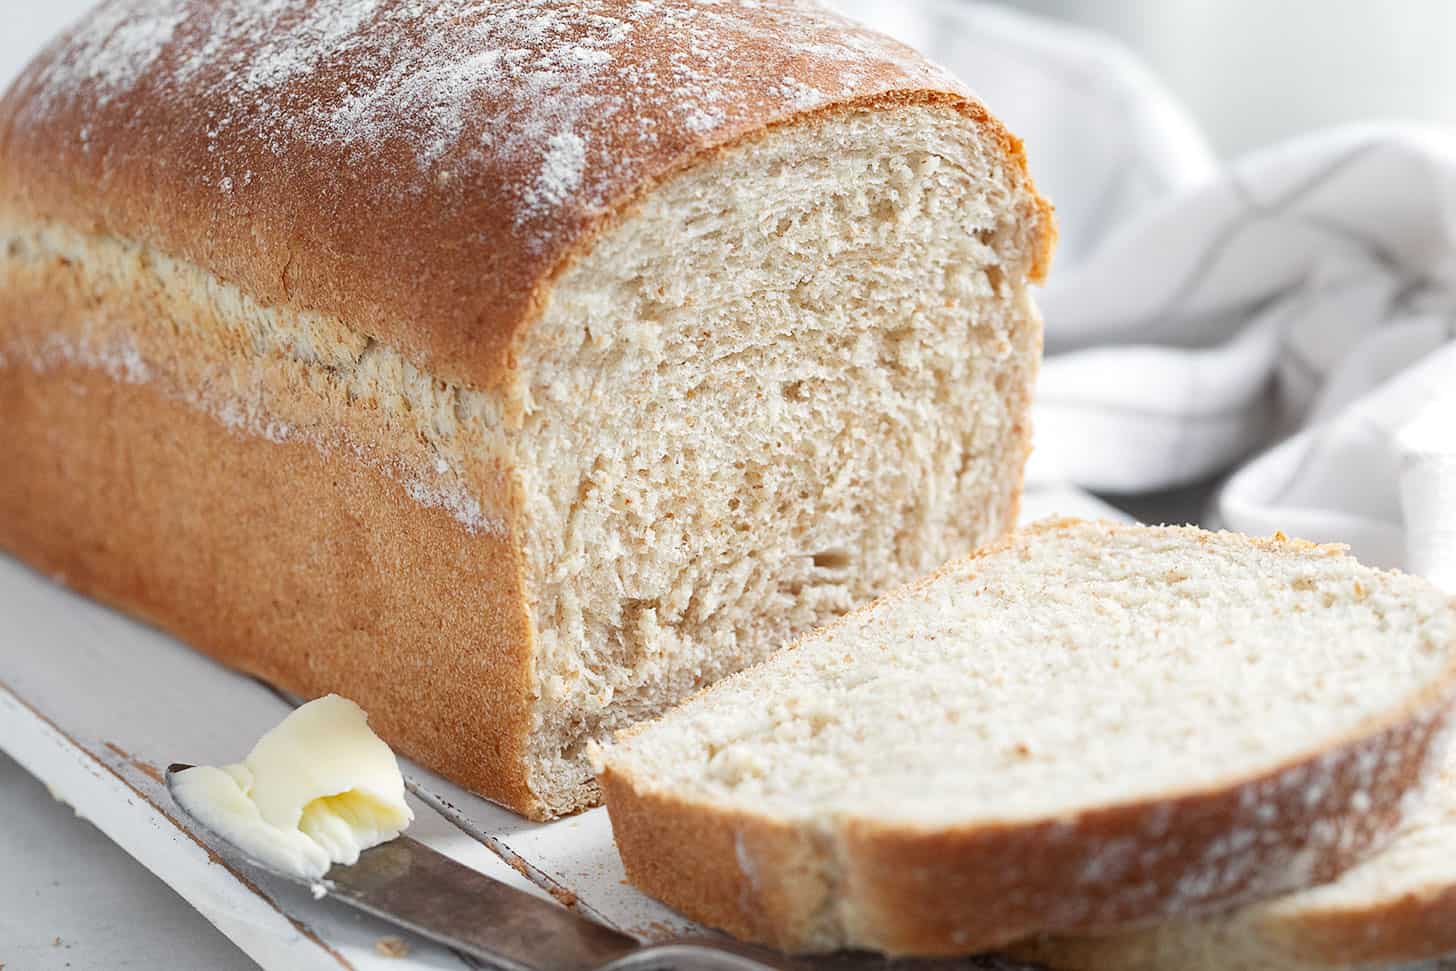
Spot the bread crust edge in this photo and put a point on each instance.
(99, 520)
(937, 892)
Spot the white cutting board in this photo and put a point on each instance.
(95, 705)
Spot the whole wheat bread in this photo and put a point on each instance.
(512, 367)
(1088, 727)
(1396, 908)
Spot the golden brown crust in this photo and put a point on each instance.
(332, 179)
(266, 371)
(1416, 926)
(710, 873)
(1403, 929)
(964, 890)
(152, 506)
(1385, 927)
(956, 891)
(960, 890)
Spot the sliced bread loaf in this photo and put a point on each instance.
(1397, 907)
(514, 368)
(1086, 727)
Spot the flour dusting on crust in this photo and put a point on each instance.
(421, 169)
(570, 95)
(122, 361)
(119, 43)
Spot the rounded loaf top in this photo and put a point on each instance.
(418, 168)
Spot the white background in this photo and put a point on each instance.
(1255, 71)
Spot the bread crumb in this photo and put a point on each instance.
(519, 865)
(392, 947)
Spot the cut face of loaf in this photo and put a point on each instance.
(816, 389)
(507, 366)
(1091, 726)
(1397, 907)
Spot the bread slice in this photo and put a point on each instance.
(512, 367)
(1089, 726)
(1397, 907)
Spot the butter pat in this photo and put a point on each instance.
(319, 789)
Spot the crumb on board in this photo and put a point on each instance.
(562, 895)
(519, 865)
(392, 947)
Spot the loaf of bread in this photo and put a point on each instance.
(1396, 908)
(1089, 727)
(512, 367)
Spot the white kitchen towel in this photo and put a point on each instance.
(1286, 317)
